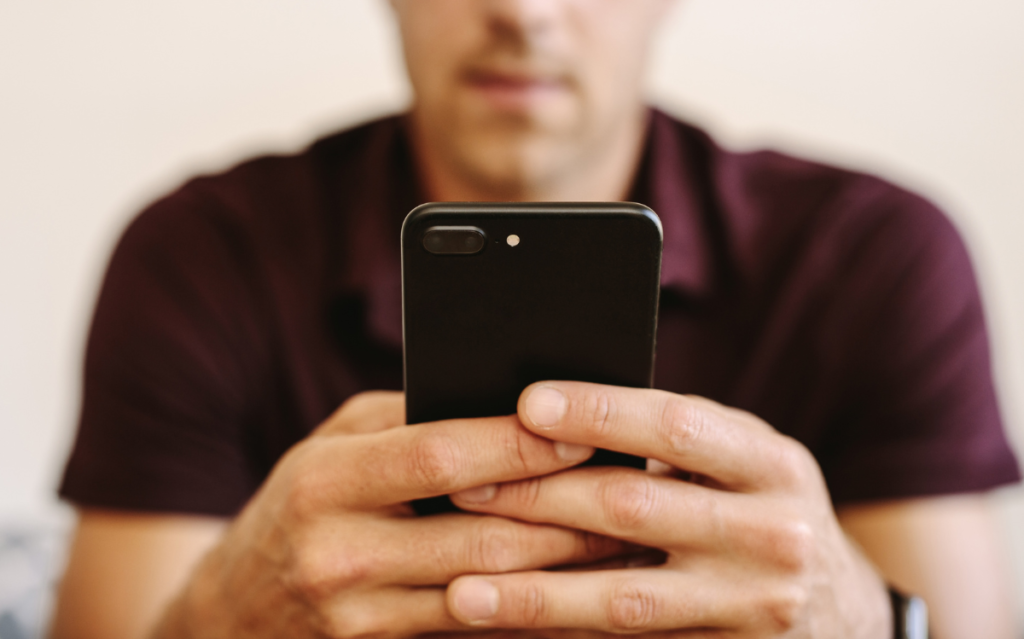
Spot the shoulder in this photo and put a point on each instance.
(288, 198)
(772, 207)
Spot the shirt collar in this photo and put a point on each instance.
(667, 181)
(381, 187)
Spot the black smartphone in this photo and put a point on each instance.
(498, 296)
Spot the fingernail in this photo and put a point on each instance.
(478, 495)
(545, 406)
(573, 452)
(476, 600)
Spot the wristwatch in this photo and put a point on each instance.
(909, 616)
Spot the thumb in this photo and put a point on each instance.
(369, 412)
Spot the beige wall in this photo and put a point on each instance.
(104, 104)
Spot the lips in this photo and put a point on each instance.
(515, 91)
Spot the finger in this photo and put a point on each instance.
(629, 504)
(402, 464)
(389, 612)
(434, 550)
(368, 412)
(734, 448)
(619, 601)
(558, 633)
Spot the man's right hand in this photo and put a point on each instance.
(329, 546)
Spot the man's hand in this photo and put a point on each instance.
(742, 513)
(328, 546)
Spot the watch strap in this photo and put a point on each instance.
(909, 615)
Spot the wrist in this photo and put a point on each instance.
(871, 617)
(195, 605)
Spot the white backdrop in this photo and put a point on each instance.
(105, 104)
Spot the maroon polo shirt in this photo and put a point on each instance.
(239, 311)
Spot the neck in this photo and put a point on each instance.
(603, 170)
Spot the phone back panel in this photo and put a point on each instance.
(576, 299)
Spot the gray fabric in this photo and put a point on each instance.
(31, 559)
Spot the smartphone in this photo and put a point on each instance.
(498, 296)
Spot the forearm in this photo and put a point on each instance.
(124, 569)
(948, 551)
(233, 594)
(200, 611)
(175, 623)
(190, 614)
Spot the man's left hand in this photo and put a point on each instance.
(752, 545)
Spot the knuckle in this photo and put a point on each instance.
(520, 460)
(707, 508)
(514, 441)
(523, 494)
(683, 425)
(355, 402)
(785, 542)
(434, 462)
(309, 578)
(629, 504)
(531, 606)
(794, 465)
(308, 485)
(599, 411)
(794, 547)
(340, 420)
(632, 606)
(302, 502)
(497, 547)
(358, 622)
(316, 575)
(366, 402)
(783, 608)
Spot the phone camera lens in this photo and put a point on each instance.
(454, 240)
(434, 242)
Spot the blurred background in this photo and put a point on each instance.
(106, 104)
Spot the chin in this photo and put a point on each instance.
(516, 159)
(515, 170)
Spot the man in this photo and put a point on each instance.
(241, 310)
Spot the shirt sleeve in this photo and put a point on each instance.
(173, 352)
(921, 416)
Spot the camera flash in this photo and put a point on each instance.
(513, 240)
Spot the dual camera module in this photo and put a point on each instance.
(459, 240)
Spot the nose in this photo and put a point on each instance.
(525, 21)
